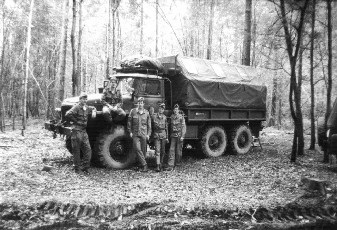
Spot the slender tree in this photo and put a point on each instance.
(247, 39)
(210, 31)
(294, 93)
(329, 81)
(312, 86)
(24, 120)
(79, 47)
(141, 26)
(73, 51)
(60, 77)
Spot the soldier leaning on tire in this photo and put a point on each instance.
(160, 135)
(78, 114)
(178, 131)
(139, 127)
(111, 101)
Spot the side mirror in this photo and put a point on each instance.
(173, 71)
(105, 83)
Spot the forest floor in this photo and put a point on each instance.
(223, 193)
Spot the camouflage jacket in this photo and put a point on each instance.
(159, 126)
(111, 98)
(79, 116)
(139, 124)
(178, 126)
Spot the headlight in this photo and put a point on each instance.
(328, 133)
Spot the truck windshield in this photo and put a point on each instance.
(139, 86)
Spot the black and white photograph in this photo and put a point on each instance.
(168, 114)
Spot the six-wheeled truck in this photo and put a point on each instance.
(224, 107)
(327, 134)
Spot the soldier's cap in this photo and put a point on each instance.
(162, 105)
(83, 95)
(140, 99)
(176, 106)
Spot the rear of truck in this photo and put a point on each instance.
(224, 104)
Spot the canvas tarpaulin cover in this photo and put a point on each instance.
(206, 83)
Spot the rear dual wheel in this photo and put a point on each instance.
(241, 139)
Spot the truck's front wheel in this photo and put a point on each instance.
(114, 149)
(213, 141)
(241, 139)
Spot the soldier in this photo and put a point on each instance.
(139, 127)
(111, 101)
(178, 130)
(78, 114)
(160, 135)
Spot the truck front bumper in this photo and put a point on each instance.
(57, 128)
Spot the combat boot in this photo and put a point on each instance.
(145, 168)
(158, 169)
(86, 171)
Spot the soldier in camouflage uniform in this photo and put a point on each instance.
(111, 101)
(139, 127)
(178, 131)
(78, 114)
(160, 135)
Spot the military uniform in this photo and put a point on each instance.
(139, 124)
(109, 98)
(160, 136)
(79, 138)
(178, 130)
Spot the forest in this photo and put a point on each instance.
(55, 49)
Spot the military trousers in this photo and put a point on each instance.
(110, 115)
(175, 153)
(160, 150)
(139, 146)
(80, 142)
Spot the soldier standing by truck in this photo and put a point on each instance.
(139, 127)
(178, 131)
(78, 114)
(111, 100)
(160, 135)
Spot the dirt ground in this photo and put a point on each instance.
(262, 178)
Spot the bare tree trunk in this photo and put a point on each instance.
(108, 32)
(274, 93)
(73, 51)
(298, 104)
(79, 47)
(157, 28)
(247, 39)
(24, 120)
(210, 31)
(60, 79)
(329, 86)
(141, 26)
(293, 50)
(2, 111)
(312, 86)
(254, 32)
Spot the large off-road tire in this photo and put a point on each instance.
(114, 149)
(321, 132)
(241, 139)
(213, 141)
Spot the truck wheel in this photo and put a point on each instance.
(213, 141)
(114, 149)
(321, 132)
(241, 139)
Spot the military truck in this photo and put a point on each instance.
(224, 106)
(327, 133)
